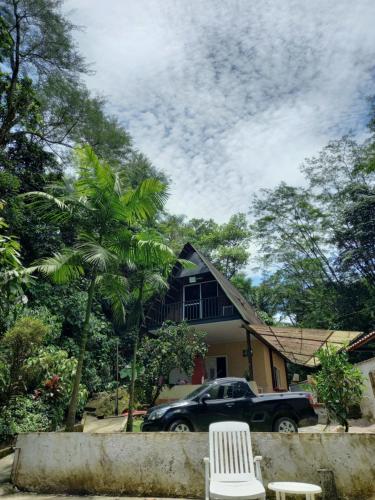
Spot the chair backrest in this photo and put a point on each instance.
(231, 456)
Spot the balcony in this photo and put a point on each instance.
(199, 310)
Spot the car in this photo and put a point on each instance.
(232, 399)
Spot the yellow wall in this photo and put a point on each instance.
(238, 364)
(280, 364)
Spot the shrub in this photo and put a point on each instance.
(338, 384)
(23, 414)
(18, 344)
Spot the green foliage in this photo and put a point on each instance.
(27, 367)
(319, 241)
(110, 237)
(173, 346)
(23, 414)
(13, 276)
(17, 345)
(338, 384)
(225, 244)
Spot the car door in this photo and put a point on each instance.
(226, 403)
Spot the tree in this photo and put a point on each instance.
(13, 276)
(108, 222)
(18, 344)
(318, 241)
(39, 43)
(338, 384)
(172, 346)
(225, 244)
(147, 280)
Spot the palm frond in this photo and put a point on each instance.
(61, 267)
(146, 200)
(186, 264)
(115, 289)
(49, 207)
(95, 254)
(151, 253)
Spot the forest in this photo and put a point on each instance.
(86, 242)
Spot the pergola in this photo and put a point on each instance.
(299, 345)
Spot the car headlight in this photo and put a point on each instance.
(154, 415)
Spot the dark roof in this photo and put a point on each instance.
(363, 340)
(245, 310)
(298, 345)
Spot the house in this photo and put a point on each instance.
(205, 298)
(362, 353)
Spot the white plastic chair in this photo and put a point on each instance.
(231, 471)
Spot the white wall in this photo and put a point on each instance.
(171, 464)
(368, 400)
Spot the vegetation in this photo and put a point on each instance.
(86, 243)
(172, 347)
(338, 384)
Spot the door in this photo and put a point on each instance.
(216, 367)
(226, 403)
(192, 302)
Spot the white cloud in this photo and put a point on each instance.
(229, 97)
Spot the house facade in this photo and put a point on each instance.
(206, 299)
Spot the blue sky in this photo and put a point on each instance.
(228, 97)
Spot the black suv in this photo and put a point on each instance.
(232, 399)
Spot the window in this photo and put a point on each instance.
(232, 390)
(277, 377)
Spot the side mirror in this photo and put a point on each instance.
(204, 398)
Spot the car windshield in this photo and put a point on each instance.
(199, 390)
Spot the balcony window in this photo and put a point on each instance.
(200, 301)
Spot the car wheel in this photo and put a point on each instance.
(179, 426)
(285, 424)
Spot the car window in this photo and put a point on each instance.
(230, 390)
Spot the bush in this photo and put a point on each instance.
(23, 414)
(18, 344)
(338, 384)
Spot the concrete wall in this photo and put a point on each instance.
(170, 464)
(368, 400)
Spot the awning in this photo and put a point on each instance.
(299, 345)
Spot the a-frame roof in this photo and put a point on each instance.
(245, 310)
(298, 345)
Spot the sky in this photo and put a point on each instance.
(228, 97)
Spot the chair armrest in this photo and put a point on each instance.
(206, 461)
(258, 470)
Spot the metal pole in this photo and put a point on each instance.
(117, 379)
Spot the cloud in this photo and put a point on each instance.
(229, 97)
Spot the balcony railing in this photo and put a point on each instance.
(192, 310)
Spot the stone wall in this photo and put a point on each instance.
(170, 464)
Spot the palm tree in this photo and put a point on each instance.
(146, 281)
(108, 218)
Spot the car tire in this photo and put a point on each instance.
(180, 426)
(285, 424)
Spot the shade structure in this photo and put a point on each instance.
(300, 345)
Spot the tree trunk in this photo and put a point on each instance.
(139, 316)
(157, 394)
(71, 418)
(10, 113)
(129, 423)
